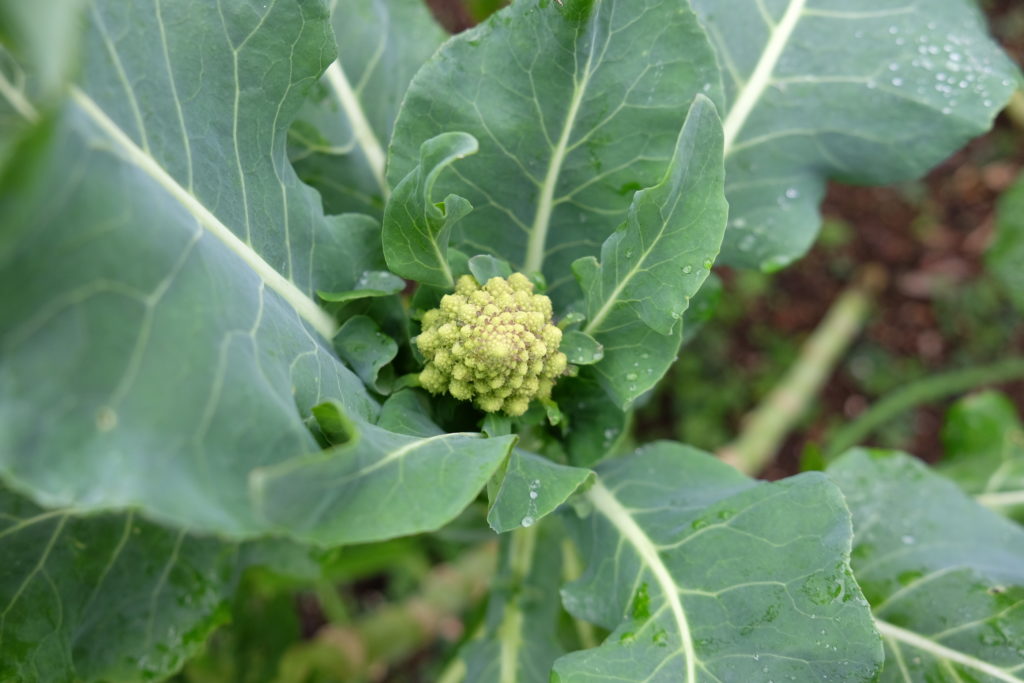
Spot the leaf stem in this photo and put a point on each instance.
(572, 569)
(925, 390)
(361, 129)
(767, 425)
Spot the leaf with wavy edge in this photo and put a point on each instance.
(416, 230)
(573, 111)
(702, 574)
(944, 575)
(656, 261)
(872, 92)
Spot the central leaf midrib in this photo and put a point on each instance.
(760, 78)
(305, 307)
(606, 502)
(537, 241)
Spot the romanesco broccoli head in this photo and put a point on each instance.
(494, 345)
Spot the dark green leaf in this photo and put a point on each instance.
(112, 597)
(484, 267)
(656, 261)
(371, 284)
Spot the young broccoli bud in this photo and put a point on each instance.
(494, 345)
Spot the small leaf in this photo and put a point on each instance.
(416, 230)
(484, 267)
(367, 350)
(581, 348)
(703, 575)
(372, 283)
(944, 575)
(532, 488)
(408, 412)
(496, 424)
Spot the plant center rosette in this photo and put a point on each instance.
(495, 345)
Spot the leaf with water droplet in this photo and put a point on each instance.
(580, 348)
(531, 488)
(797, 116)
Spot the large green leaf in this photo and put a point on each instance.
(110, 597)
(519, 642)
(984, 444)
(164, 351)
(338, 144)
(656, 261)
(1007, 251)
(944, 575)
(705, 575)
(376, 484)
(575, 108)
(866, 92)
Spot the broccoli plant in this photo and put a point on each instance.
(283, 278)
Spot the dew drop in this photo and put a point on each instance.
(687, 270)
(527, 521)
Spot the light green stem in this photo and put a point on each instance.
(767, 426)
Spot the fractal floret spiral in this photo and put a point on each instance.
(493, 344)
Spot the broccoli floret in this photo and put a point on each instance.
(494, 345)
